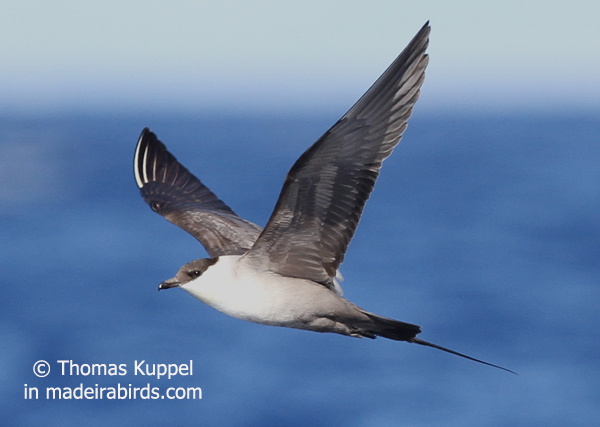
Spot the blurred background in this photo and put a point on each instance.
(483, 227)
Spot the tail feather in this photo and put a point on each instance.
(447, 350)
(401, 331)
(391, 329)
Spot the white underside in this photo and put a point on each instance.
(235, 288)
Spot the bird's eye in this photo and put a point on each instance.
(195, 273)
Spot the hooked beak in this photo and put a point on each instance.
(171, 283)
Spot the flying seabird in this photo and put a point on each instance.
(287, 274)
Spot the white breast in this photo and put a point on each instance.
(232, 288)
(239, 289)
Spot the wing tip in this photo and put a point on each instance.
(140, 158)
(136, 158)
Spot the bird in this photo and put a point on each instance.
(287, 273)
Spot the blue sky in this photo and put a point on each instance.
(269, 55)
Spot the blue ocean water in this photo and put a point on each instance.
(483, 230)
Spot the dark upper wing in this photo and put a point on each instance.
(325, 191)
(172, 191)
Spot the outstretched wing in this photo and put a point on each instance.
(172, 191)
(325, 191)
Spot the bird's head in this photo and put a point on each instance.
(190, 271)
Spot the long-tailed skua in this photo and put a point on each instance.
(287, 274)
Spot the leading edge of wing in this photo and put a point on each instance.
(173, 192)
(325, 191)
